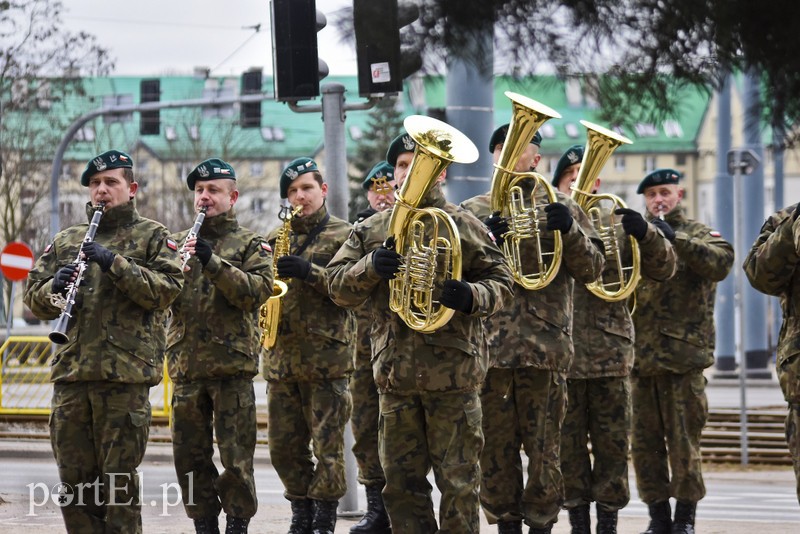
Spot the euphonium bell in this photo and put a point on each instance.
(619, 279)
(523, 214)
(426, 239)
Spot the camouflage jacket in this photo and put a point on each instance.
(453, 358)
(213, 332)
(535, 329)
(117, 331)
(674, 320)
(603, 331)
(364, 313)
(771, 266)
(316, 338)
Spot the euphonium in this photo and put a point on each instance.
(426, 238)
(508, 199)
(269, 314)
(618, 279)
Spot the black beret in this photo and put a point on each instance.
(293, 170)
(210, 169)
(499, 136)
(401, 143)
(659, 177)
(573, 155)
(112, 159)
(380, 172)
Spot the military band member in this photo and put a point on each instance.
(307, 372)
(430, 411)
(524, 395)
(674, 324)
(100, 418)
(212, 355)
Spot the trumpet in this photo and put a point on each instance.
(198, 222)
(58, 334)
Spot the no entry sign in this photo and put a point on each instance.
(16, 261)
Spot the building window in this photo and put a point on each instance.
(645, 130)
(257, 205)
(680, 159)
(572, 130)
(619, 163)
(673, 129)
(256, 168)
(548, 131)
(649, 163)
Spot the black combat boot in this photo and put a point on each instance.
(545, 530)
(302, 515)
(606, 521)
(236, 525)
(376, 520)
(509, 527)
(579, 520)
(324, 517)
(660, 518)
(206, 525)
(684, 517)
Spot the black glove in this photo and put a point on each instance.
(386, 261)
(202, 249)
(293, 267)
(498, 226)
(665, 228)
(456, 295)
(63, 277)
(558, 217)
(99, 254)
(633, 223)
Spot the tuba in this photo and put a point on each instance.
(508, 199)
(618, 279)
(426, 239)
(269, 314)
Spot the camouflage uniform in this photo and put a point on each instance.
(771, 267)
(212, 357)
(100, 417)
(674, 322)
(307, 371)
(524, 396)
(428, 383)
(599, 389)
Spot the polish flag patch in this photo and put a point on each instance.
(714, 233)
(172, 245)
(265, 246)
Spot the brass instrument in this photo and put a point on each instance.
(58, 335)
(508, 199)
(269, 314)
(600, 144)
(426, 238)
(198, 222)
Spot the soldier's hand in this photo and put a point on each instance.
(665, 228)
(633, 223)
(64, 276)
(202, 249)
(456, 295)
(293, 267)
(558, 217)
(498, 226)
(99, 254)
(386, 261)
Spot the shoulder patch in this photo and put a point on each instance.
(265, 247)
(714, 233)
(491, 236)
(172, 245)
(48, 248)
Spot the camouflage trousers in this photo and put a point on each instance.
(522, 408)
(99, 432)
(364, 422)
(431, 430)
(598, 409)
(669, 413)
(201, 409)
(303, 413)
(793, 440)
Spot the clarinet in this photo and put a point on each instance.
(58, 335)
(198, 222)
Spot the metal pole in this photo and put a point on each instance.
(10, 315)
(739, 304)
(335, 150)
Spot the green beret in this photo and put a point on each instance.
(659, 177)
(402, 143)
(499, 136)
(381, 171)
(296, 168)
(113, 159)
(210, 169)
(573, 155)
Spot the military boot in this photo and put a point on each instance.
(509, 527)
(579, 520)
(606, 521)
(302, 515)
(206, 525)
(236, 525)
(376, 520)
(545, 530)
(324, 517)
(660, 518)
(684, 518)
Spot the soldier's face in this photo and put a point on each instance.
(402, 165)
(662, 199)
(218, 196)
(382, 198)
(111, 187)
(568, 177)
(527, 161)
(307, 192)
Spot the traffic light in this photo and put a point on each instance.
(297, 68)
(382, 62)
(250, 112)
(149, 121)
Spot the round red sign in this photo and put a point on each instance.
(16, 261)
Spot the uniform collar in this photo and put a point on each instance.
(303, 225)
(114, 217)
(219, 225)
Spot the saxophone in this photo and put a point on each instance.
(269, 314)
